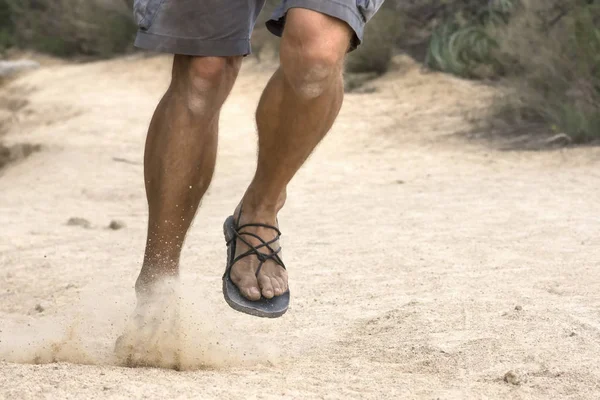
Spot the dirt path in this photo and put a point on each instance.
(421, 266)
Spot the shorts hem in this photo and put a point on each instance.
(192, 46)
(332, 8)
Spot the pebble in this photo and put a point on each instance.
(513, 378)
(82, 222)
(116, 225)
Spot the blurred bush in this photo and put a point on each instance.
(380, 36)
(462, 44)
(546, 53)
(99, 28)
(550, 56)
(6, 26)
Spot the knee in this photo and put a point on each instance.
(310, 67)
(312, 57)
(206, 73)
(205, 80)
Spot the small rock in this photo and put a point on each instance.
(400, 182)
(82, 222)
(572, 334)
(116, 225)
(518, 308)
(39, 308)
(513, 378)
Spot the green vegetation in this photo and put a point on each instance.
(551, 57)
(67, 27)
(375, 54)
(462, 43)
(6, 26)
(545, 53)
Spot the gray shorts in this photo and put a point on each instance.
(224, 27)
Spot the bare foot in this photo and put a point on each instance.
(151, 338)
(272, 279)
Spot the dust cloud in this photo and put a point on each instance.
(170, 329)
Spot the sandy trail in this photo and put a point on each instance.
(422, 266)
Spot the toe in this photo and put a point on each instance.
(282, 278)
(266, 286)
(248, 285)
(282, 284)
(276, 286)
(251, 293)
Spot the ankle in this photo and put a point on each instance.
(156, 269)
(148, 284)
(157, 288)
(260, 210)
(257, 204)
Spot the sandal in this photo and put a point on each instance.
(265, 308)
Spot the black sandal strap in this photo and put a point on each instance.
(254, 250)
(251, 251)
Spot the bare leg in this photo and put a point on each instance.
(297, 109)
(179, 163)
(180, 157)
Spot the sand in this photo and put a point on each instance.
(423, 265)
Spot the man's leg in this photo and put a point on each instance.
(297, 109)
(180, 157)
